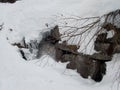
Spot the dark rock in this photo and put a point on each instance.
(100, 70)
(68, 57)
(116, 39)
(53, 36)
(101, 57)
(101, 46)
(89, 67)
(58, 55)
(110, 50)
(55, 33)
(108, 26)
(65, 52)
(68, 48)
(101, 38)
(117, 49)
(84, 65)
(71, 65)
(23, 54)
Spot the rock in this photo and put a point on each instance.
(100, 70)
(68, 57)
(101, 57)
(71, 65)
(58, 55)
(52, 36)
(68, 48)
(101, 38)
(55, 33)
(22, 54)
(116, 39)
(89, 67)
(84, 65)
(108, 26)
(117, 49)
(65, 52)
(101, 46)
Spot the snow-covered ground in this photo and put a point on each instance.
(27, 18)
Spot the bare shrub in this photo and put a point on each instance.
(83, 31)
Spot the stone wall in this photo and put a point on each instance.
(86, 65)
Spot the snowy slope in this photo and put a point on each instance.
(27, 18)
(45, 74)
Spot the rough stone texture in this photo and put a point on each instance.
(71, 65)
(100, 70)
(87, 67)
(68, 48)
(101, 46)
(68, 57)
(116, 38)
(65, 52)
(101, 38)
(101, 57)
(52, 36)
(84, 65)
(55, 33)
(109, 26)
(58, 55)
(117, 49)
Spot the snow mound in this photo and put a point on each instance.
(27, 18)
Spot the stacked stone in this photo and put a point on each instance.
(107, 47)
(86, 65)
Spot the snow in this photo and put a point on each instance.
(28, 18)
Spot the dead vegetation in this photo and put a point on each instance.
(78, 29)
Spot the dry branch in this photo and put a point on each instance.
(79, 27)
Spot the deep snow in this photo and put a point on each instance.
(28, 18)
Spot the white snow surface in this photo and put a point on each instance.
(28, 18)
